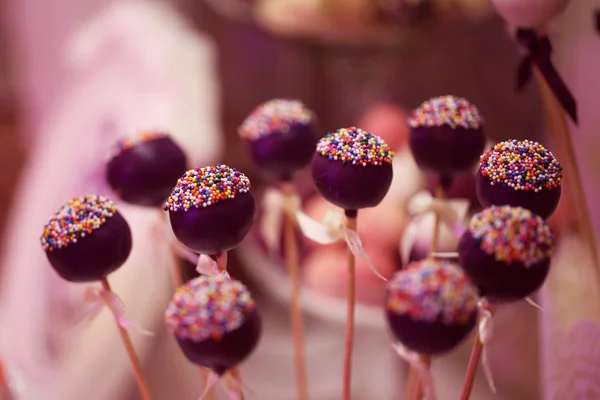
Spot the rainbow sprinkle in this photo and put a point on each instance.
(277, 115)
(522, 165)
(208, 307)
(449, 111)
(432, 290)
(202, 187)
(129, 143)
(513, 234)
(76, 219)
(355, 146)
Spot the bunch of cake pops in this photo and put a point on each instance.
(503, 255)
(432, 304)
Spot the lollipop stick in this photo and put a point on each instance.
(476, 353)
(351, 223)
(133, 358)
(472, 369)
(292, 260)
(560, 134)
(426, 360)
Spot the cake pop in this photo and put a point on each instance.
(281, 135)
(142, 171)
(446, 136)
(215, 322)
(506, 252)
(87, 239)
(431, 306)
(520, 173)
(211, 209)
(352, 168)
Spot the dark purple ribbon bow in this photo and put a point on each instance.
(539, 49)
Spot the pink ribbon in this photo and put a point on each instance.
(415, 361)
(332, 229)
(101, 297)
(207, 266)
(276, 205)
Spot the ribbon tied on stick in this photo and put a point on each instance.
(207, 265)
(101, 297)
(414, 360)
(450, 212)
(276, 206)
(332, 229)
(539, 50)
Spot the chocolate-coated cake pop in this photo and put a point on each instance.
(446, 135)
(87, 239)
(211, 209)
(142, 171)
(281, 135)
(520, 173)
(215, 322)
(431, 306)
(506, 252)
(352, 168)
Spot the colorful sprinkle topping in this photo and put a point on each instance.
(76, 219)
(449, 111)
(355, 146)
(513, 234)
(202, 187)
(208, 307)
(129, 143)
(277, 115)
(432, 290)
(522, 165)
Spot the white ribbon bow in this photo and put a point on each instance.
(415, 361)
(207, 266)
(450, 212)
(486, 330)
(276, 205)
(100, 298)
(332, 229)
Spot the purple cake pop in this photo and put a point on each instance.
(211, 209)
(431, 306)
(520, 173)
(281, 135)
(142, 171)
(86, 239)
(352, 168)
(446, 135)
(215, 322)
(506, 252)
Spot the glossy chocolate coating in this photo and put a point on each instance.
(217, 228)
(349, 186)
(497, 280)
(280, 154)
(542, 203)
(145, 174)
(94, 256)
(428, 337)
(445, 150)
(227, 352)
